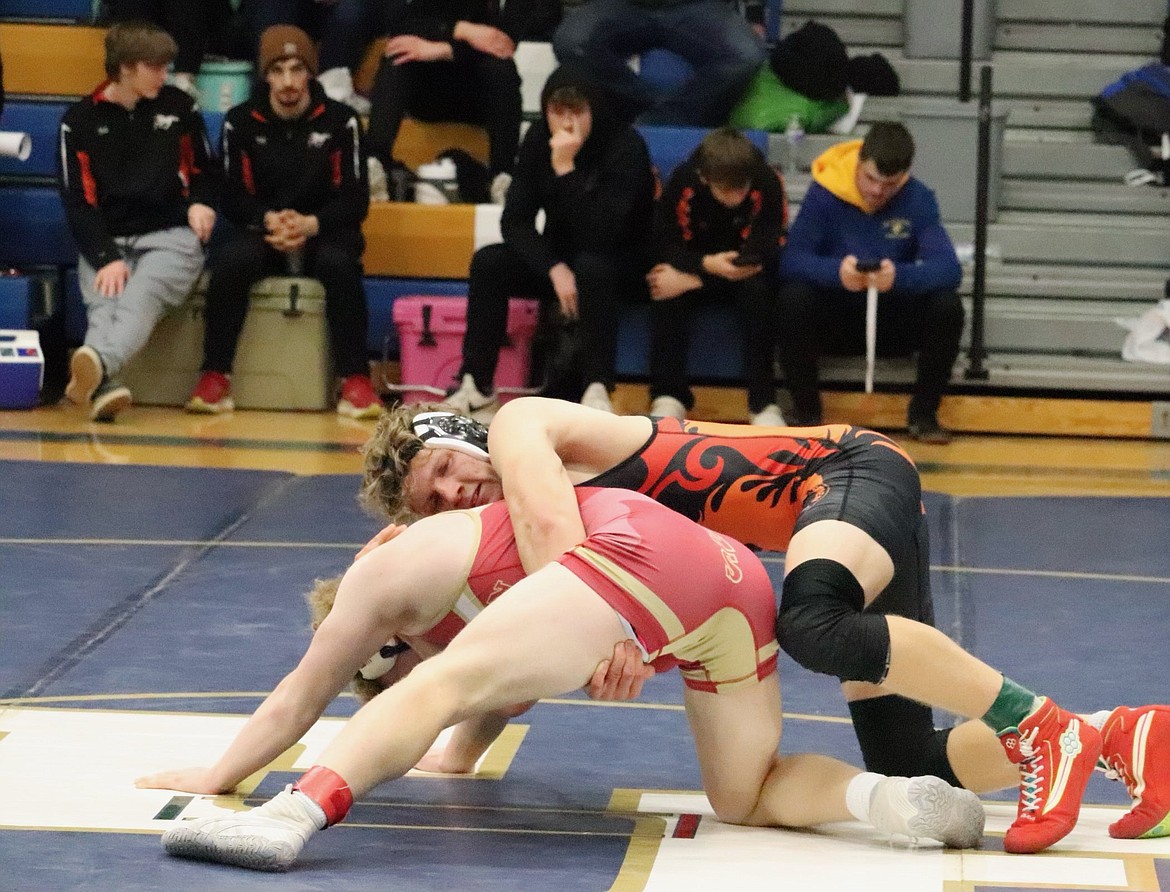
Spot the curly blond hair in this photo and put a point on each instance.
(386, 461)
(320, 599)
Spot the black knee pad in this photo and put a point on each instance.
(821, 624)
(898, 738)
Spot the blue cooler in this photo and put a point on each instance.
(22, 369)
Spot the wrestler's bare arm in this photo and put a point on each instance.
(380, 595)
(541, 447)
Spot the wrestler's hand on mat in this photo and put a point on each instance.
(435, 762)
(384, 535)
(186, 780)
(621, 677)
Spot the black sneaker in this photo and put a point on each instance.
(108, 400)
(928, 430)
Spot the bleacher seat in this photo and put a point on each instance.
(714, 353)
(670, 146)
(16, 296)
(75, 10)
(40, 120)
(52, 60)
(33, 231)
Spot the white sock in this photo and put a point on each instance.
(858, 793)
(314, 810)
(1098, 719)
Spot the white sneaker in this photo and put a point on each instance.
(85, 375)
(667, 407)
(338, 85)
(467, 400)
(499, 187)
(769, 416)
(927, 807)
(597, 397)
(266, 838)
(379, 185)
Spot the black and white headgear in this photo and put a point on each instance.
(453, 431)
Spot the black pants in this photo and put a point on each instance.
(185, 20)
(754, 300)
(604, 283)
(474, 88)
(334, 259)
(815, 320)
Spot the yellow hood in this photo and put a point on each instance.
(836, 170)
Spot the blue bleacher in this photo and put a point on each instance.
(670, 146)
(16, 296)
(33, 231)
(75, 10)
(40, 120)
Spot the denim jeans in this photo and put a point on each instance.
(710, 35)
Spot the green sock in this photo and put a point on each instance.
(1012, 706)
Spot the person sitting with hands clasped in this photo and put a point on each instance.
(719, 227)
(295, 188)
(866, 221)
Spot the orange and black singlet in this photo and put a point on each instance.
(760, 485)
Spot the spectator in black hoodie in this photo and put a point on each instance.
(453, 60)
(296, 188)
(137, 192)
(590, 174)
(719, 228)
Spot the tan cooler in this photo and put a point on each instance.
(282, 361)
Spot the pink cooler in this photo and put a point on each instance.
(430, 336)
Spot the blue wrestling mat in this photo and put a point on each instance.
(146, 611)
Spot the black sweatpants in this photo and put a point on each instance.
(604, 283)
(334, 259)
(474, 88)
(812, 321)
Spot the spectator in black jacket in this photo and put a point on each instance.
(137, 192)
(720, 225)
(590, 174)
(453, 60)
(295, 187)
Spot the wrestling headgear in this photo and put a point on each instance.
(453, 431)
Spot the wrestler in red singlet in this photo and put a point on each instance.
(694, 598)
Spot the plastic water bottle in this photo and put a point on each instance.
(794, 137)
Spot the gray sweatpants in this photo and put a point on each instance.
(163, 268)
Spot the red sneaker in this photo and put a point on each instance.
(1056, 752)
(1137, 751)
(358, 398)
(212, 395)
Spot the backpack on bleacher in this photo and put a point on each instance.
(1134, 111)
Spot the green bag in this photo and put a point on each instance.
(769, 105)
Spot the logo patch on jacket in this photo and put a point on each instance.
(318, 139)
(896, 227)
(164, 122)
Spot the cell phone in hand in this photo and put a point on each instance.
(747, 260)
(868, 265)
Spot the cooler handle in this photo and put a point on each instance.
(427, 337)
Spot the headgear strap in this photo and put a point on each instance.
(383, 661)
(453, 431)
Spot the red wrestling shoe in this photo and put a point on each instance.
(358, 398)
(1137, 751)
(1056, 752)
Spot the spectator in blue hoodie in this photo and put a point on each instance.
(866, 221)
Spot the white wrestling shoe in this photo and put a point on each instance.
(927, 807)
(266, 838)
